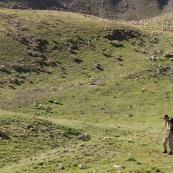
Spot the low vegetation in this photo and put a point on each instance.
(83, 94)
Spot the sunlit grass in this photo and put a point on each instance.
(120, 104)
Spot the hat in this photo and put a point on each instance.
(166, 116)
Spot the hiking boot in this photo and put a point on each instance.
(170, 153)
(164, 152)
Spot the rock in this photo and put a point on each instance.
(169, 55)
(131, 106)
(60, 166)
(53, 89)
(41, 163)
(74, 57)
(30, 126)
(152, 58)
(106, 138)
(144, 89)
(84, 137)
(46, 129)
(3, 135)
(119, 166)
(130, 141)
(162, 69)
(130, 115)
(2, 68)
(119, 58)
(81, 166)
(73, 146)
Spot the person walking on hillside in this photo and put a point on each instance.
(169, 135)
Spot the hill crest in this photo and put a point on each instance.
(112, 9)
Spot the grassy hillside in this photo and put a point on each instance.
(114, 9)
(75, 74)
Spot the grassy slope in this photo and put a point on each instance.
(84, 97)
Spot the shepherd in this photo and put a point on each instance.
(169, 135)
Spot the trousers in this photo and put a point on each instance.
(168, 140)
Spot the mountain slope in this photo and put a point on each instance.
(65, 74)
(114, 9)
(40, 56)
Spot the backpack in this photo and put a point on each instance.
(171, 120)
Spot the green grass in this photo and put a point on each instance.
(119, 103)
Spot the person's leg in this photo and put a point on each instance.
(165, 142)
(170, 143)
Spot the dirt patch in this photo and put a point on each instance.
(17, 133)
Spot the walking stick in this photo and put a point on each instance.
(157, 139)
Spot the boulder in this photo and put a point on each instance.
(84, 137)
(80, 166)
(60, 166)
(3, 135)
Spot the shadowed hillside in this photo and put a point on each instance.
(114, 9)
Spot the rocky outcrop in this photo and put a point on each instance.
(121, 34)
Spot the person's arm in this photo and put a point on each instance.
(165, 124)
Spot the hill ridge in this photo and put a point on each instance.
(112, 9)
